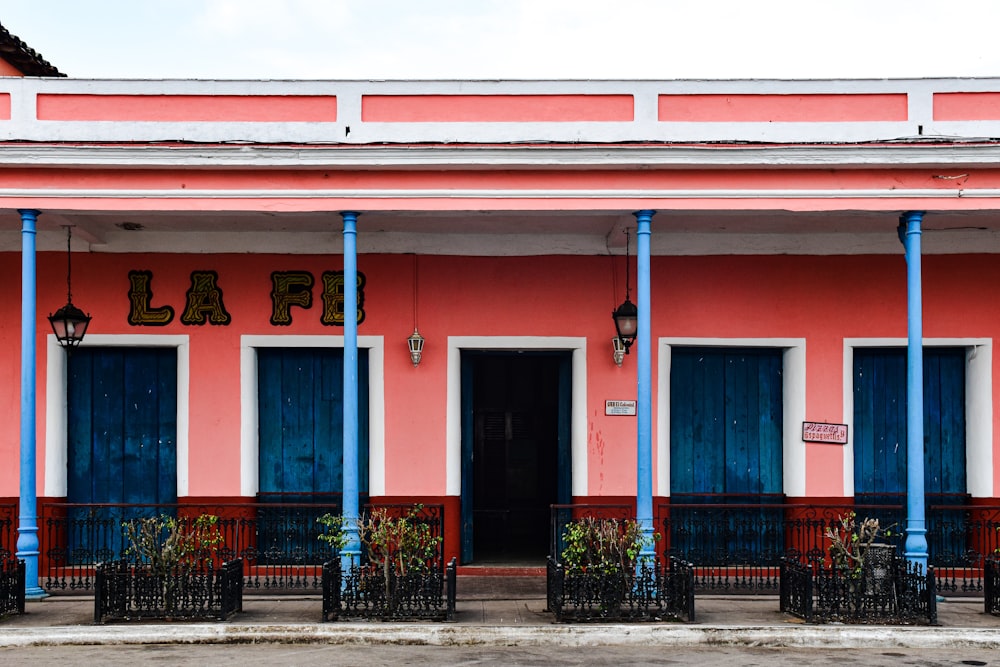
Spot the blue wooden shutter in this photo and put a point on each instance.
(725, 448)
(880, 442)
(725, 421)
(122, 426)
(300, 416)
(121, 443)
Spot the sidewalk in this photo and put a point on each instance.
(501, 615)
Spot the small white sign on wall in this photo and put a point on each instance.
(619, 408)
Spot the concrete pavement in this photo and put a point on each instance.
(496, 611)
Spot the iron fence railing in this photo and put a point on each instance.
(738, 546)
(11, 586)
(8, 529)
(886, 590)
(130, 591)
(278, 542)
(991, 586)
(376, 594)
(734, 546)
(401, 573)
(647, 591)
(736, 543)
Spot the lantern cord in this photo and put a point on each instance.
(69, 264)
(414, 292)
(628, 292)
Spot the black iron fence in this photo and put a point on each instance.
(371, 592)
(8, 530)
(278, 542)
(11, 586)
(991, 586)
(130, 591)
(650, 591)
(734, 546)
(401, 573)
(594, 573)
(890, 590)
(738, 546)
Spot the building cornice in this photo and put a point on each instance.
(603, 157)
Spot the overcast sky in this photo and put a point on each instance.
(510, 39)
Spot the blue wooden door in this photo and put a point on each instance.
(880, 442)
(122, 426)
(121, 439)
(301, 447)
(725, 449)
(300, 417)
(880, 431)
(725, 421)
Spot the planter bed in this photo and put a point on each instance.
(894, 593)
(127, 591)
(648, 593)
(364, 592)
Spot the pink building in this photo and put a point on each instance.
(498, 219)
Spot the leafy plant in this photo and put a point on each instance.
(168, 550)
(603, 545)
(403, 544)
(850, 540)
(166, 543)
(333, 531)
(395, 546)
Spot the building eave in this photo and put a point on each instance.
(537, 156)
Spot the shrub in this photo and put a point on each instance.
(403, 544)
(850, 540)
(608, 545)
(167, 543)
(333, 531)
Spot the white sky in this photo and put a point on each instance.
(510, 39)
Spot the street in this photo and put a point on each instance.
(247, 655)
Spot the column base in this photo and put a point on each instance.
(35, 594)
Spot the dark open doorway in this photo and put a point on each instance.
(516, 459)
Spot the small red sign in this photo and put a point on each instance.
(817, 432)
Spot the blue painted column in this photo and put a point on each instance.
(916, 530)
(27, 527)
(352, 550)
(644, 392)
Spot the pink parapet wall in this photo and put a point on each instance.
(188, 108)
(765, 108)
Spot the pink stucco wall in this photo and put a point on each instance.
(821, 299)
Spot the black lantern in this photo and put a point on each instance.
(626, 316)
(69, 323)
